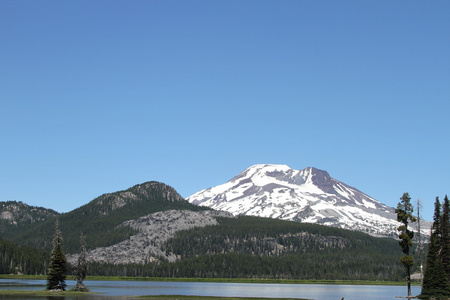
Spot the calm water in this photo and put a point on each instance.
(112, 290)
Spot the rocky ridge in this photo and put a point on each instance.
(17, 212)
(111, 202)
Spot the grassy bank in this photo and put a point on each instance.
(43, 293)
(171, 297)
(165, 297)
(228, 280)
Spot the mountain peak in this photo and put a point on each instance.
(273, 172)
(13, 213)
(262, 169)
(269, 166)
(310, 195)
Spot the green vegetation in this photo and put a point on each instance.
(165, 297)
(42, 293)
(263, 248)
(238, 249)
(21, 216)
(445, 236)
(56, 276)
(435, 281)
(81, 268)
(99, 219)
(22, 260)
(171, 297)
(404, 216)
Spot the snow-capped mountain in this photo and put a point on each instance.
(309, 195)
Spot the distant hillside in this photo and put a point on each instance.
(253, 247)
(16, 216)
(98, 220)
(284, 249)
(152, 231)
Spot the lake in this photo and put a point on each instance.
(112, 290)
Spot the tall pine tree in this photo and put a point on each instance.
(435, 283)
(56, 276)
(445, 237)
(404, 216)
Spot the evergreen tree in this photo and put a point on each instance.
(81, 268)
(419, 249)
(56, 276)
(445, 237)
(435, 283)
(404, 215)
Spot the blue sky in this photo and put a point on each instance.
(97, 96)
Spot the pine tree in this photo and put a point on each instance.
(56, 276)
(81, 268)
(404, 215)
(419, 249)
(435, 283)
(445, 237)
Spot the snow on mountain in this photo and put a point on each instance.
(309, 195)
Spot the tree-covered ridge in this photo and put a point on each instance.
(99, 219)
(253, 247)
(264, 236)
(18, 215)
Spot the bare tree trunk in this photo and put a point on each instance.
(408, 278)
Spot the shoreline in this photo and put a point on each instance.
(44, 293)
(224, 280)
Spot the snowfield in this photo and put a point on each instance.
(309, 195)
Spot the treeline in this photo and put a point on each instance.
(264, 236)
(22, 260)
(351, 266)
(21, 215)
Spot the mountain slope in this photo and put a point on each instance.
(16, 216)
(255, 247)
(309, 195)
(152, 231)
(99, 219)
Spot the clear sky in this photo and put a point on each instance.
(97, 96)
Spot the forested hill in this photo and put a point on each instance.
(98, 220)
(275, 248)
(18, 215)
(253, 247)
